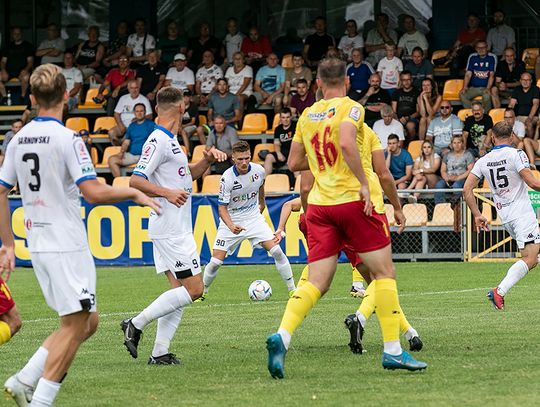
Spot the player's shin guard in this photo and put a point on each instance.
(283, 266)
(303, 277)
(166, 328)
(388, 312)
(46, 392)
(33, 370)
(515, 273)
(210, 272)
(5, 332)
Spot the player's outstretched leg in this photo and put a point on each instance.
(516, 272)
(210, 273)
(282, 265)
(303, 277)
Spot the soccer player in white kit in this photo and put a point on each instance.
(241, 203)
(163, 171)
(507, 171)
(49, 162)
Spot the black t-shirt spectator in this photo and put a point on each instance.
(382, 96)
(503, 71)
(17, 55)
(525, 100)
(477, 129)
(285, 137)
(150, 76)
(318, 45)
(406, 101)
(192, 111)
(212, 44)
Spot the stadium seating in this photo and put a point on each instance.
(194, 187)
(451, 89)
(277, 183)
(121, 182)
(89, 99)
(416, 214)
(389, 209)
(529, 57)
(77, 124)
(286, 61)
(464, 113)
(210, 184)
(94, 155)
(102, 124)
(443, 215)
(103, 166)
(275, 123)
(415, 148)
(260, 147)
(440, 70)
(497, 115)
(254, 123)
(197, 153)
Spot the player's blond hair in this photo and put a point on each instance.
(48, 85)
(169, 97)
(332, 72)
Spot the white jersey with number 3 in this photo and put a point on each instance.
(501, 168)
(49, 161)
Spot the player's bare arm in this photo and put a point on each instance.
(297, 157)
(226, 217)
(294, 205)
(529, 178)
(262, 202)
(7, 251)
(177, 197)
(480, 221)
(209, 157)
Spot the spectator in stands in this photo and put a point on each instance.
(399, 162)
(139, 44)
(90, 53)
(240, 79)
(206, 78)
(123, 112)
(507, 76)
(283, 135)
(172, 43)
(350, 41)
(525, 100)
(232, 43)
(428, 105)
(288, 43)
(74, 80)
(374, 99)
(302, 99)
(316, 45)
(190, 122)
(116, 81)
(501, 36)
(270, 83)
(222, 137)
(443, 128)
(404, 105)
(16, 125)
(378, 38)
(359, 72)
(17, 61)
(389, 68)
(180, 76)
(51, 50)
(255, 48)
(419, 67)
(477, 130)
(204, 42)
(298, 71)
(117, 46)
(387, 125)
(411, 39)
(455, 168)
(518, 129)
(425, 169)
(151, 76)
(479, 76)
(465, 44)
(224, 103)
(136, 135)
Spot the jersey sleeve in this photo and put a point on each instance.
(477, 169)
(8, 175)
(354, 114)
(78, 161)
(521, 161)
(151, 156)
(224, 197)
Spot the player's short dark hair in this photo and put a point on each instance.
(240, 147)
(168, 96)
(48, 85)
(393, 137)
(502, 130)
(332, 71)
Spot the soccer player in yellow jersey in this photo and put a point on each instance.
(331, 134)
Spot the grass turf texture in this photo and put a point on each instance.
(476, 355)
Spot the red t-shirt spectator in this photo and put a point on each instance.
(467, 37)
(116, 78)
(257, 49)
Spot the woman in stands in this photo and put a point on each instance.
(425, 168)
(427, 105)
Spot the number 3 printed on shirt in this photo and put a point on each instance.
(326, 151)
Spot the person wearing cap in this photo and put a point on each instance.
(85, 135)
(180, 76)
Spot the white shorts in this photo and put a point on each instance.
(178, 255)
(524, 230)
(130, 159)
(67, 280)
(256, 232)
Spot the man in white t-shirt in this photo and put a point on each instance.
(206, 78)
(411, 39)
(180, 76)
(509, 176)
(140, 43)
(74, 80)
(389, 68)
(124, 111)
(232, 42)
(351, 40)
(388, 125)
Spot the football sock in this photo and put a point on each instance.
(357, 280)
(515, 273)
(410, 333)
(367, 306)
(166, 303)
(33, 370)
(45, 393)
(210, 272)
(283, 266)
(388, 312)
(166, 328)
(5, 332)
(303, 277)
(298, 306)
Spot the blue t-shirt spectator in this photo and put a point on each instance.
(271, 78)
(399, 163)
(480, 68)
(359, 76)
(137, 133)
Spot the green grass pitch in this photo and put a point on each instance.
(476, 355)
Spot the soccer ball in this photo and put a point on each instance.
(260, 290)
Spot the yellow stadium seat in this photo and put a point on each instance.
(416, 214)
(102, 180)
(497, 115)
(389, 210)
(487, 212)
(529, 57)
(443, 215)
(254, 123)
(538, 82)
(121, 182)
(260, 147)
(275, 123)
(286, 61)
(297, 183)
(104, 123)
(415, 148)
(94, 155)
(77, 124)
(210, 184)
(89, 99)
(464, 113)
(194, 187)
(536, 174)
(198, 153)
(109, 151)
(276, 183)
(451, 89)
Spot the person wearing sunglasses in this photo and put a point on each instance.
(442, 128)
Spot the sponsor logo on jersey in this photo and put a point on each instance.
(244, 197)
(152, 140)
(87, 169)
(354, 113)
(147, 153)
(36, 202)
(236, 186)
(28, 224)
(182, 171)
(317, 117)
(83, 157)
(179, 264)
(176, 150)
(331, 113)
(141, 167)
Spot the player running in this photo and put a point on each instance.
(241, 204)
(507, 171)
(49, 162)
(340, 211)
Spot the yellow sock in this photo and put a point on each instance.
(367, 307)
(299, 305)
(5, 332)
(356, 276)
(303, 277)
(387, 308)
(404, 325)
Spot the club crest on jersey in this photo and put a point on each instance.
(236, 185)
(331, 113)
(354, 113)
(254, 177)
(148, 152)
(81, 152)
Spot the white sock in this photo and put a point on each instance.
(411, 333)
(45, 393)
(358, 285)
(166, 328)
(210, 272)
(285, 337)
(33, 370)
(166, 303)
(515, 273)
(283, 266)
(361, 318)
(393, 348)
